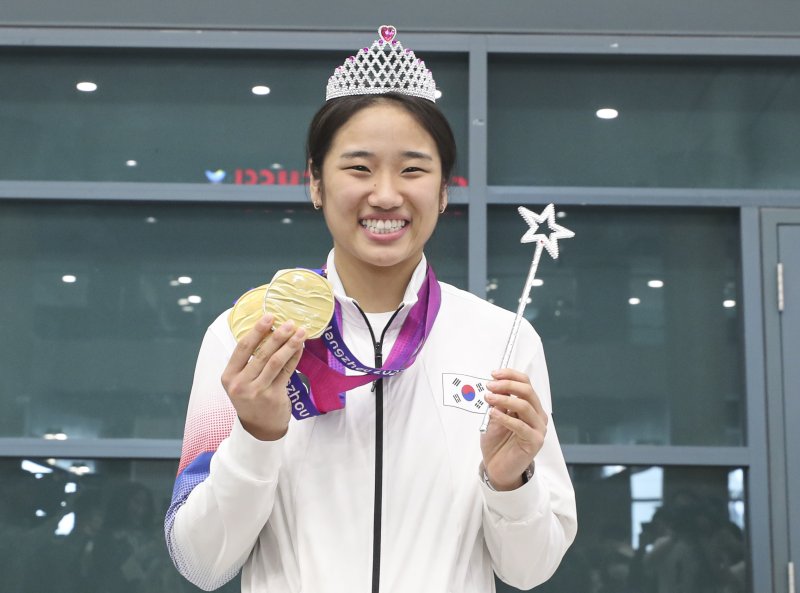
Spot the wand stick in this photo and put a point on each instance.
(542, 241)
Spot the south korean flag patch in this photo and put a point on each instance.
(464, 392)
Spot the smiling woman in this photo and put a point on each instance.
(381, 188)
(388, 486)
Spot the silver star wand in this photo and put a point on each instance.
(542, 242)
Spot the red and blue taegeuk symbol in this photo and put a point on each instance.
(468, 392)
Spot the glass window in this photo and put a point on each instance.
(87, 526)
(176, 115)
(640, 318)
(665, 121)
(686, 540)
(104, 305)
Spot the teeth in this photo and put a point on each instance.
(383, 226)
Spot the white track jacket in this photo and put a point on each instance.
(297, 515)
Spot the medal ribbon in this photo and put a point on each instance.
(325, 359)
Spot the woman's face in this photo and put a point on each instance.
(381, 189)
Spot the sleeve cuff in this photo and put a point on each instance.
(518, 505)
(249, 457)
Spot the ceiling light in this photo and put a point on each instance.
(184, 279)
(286, 220)
(261, 90)
(194, 299)
(729, 304)
(607, 113)
(656, 284)
(68, 278)
(131, 163)
(151, 220)
(437, 94)
(634, 301)
(86, 87)
(538, 282)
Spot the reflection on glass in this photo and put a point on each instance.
(655, 530)
(87, 526)
(193, 116)
(112, 353)
(626, 121)
(641, 346)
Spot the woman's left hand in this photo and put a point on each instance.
(516, 430)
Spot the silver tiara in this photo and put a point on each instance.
(384, 67)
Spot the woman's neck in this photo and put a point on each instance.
(376, 289)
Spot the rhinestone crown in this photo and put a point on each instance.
(384, 67)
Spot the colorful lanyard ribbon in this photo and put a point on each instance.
(324, 360)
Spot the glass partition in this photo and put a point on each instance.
(656, 529)
(87, 526)
(640, 318)
(93, 525)
(628, 121)
(192, 116)
(103, 305)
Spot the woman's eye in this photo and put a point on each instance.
(361, 168)
(412, 170)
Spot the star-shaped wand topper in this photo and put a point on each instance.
(534, 220)
(549, 242)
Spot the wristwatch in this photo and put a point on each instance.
(527, 475)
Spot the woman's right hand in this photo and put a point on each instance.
(258, 373)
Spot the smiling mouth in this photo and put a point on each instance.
(383, 227)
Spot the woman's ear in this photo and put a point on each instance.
(315, 186)
(443, 199)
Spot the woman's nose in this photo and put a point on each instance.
(385, 194)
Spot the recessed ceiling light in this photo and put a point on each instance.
(86, 87)
(151, 220)
(729, 304)
(131, 163)
(194, 299)
(607, 113)
(261, 90)
(538, 282)
(634, 301)
(68, 278)
(185, 279)
(655, 284)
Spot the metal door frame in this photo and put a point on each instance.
(771, 219)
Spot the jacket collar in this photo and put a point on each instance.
(350, 309)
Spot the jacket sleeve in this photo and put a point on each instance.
(528, 530)
(227, 479)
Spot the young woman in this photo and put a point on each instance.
(397, 491)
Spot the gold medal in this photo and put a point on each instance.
(301, 295)
(247, 311)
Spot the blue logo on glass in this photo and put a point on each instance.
(215, 176)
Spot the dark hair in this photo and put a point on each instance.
(337, 112)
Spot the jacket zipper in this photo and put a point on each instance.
(378, 500)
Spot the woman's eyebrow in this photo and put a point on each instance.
(413, 154)
(356, 154)
(408, 154)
